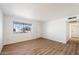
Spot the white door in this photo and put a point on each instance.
(75, 29)
(1, 31)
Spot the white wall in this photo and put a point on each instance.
(55, 30)
(10, 37)
(1, 30)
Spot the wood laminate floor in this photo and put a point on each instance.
(42, 46)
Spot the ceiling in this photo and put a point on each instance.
(40, 11)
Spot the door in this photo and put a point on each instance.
(1, 31)
(75, 29)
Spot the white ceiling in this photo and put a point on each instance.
(39, 11)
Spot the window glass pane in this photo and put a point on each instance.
(27, 27)
(21, 27)
(18, 27)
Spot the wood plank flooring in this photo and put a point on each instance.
(42, 46)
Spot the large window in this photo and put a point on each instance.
(19, 27)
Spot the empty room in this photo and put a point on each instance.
(39, 29)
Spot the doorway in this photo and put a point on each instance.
(74, 30)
